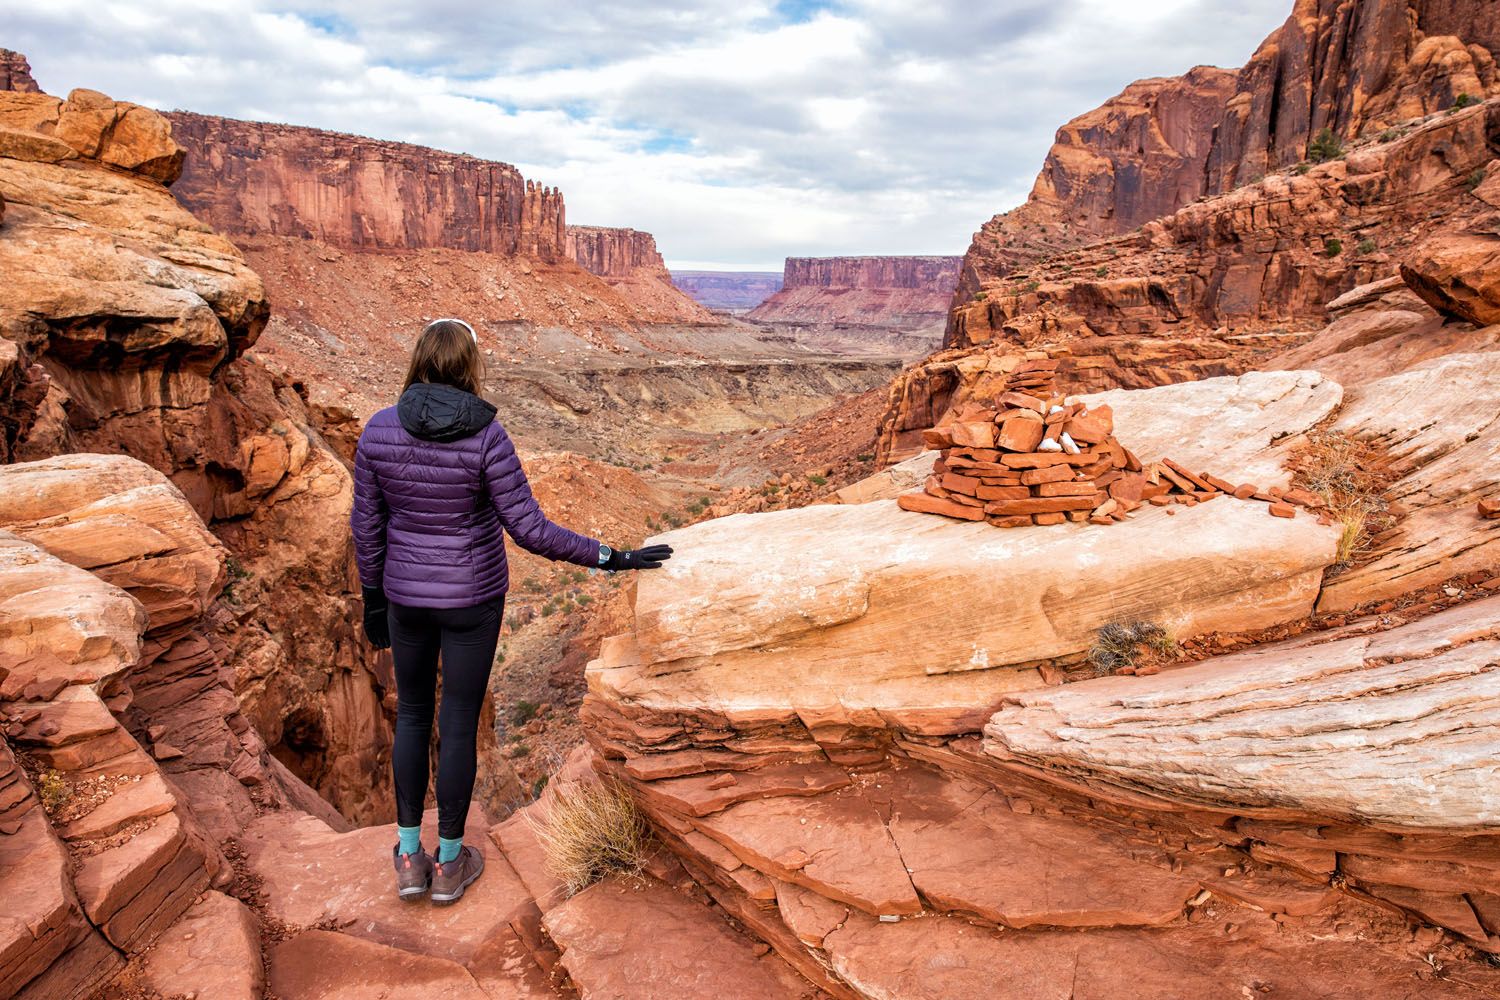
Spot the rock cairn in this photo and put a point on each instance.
(1035, 457)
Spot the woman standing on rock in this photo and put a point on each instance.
(436, 479)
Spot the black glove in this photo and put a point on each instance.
(377, 627)
(651, 557)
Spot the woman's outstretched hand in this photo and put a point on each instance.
(650, 557)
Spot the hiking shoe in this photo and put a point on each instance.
(413, 874)
(451, 879)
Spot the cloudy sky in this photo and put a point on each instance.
(738, 131)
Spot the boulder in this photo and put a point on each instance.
(1458, 274)
(873, 615)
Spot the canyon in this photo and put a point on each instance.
(877, 753)
(896, 300)
(728, 291)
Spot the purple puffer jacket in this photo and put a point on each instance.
(435, 479)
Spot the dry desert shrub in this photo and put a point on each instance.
(1119, 644)
(591, 830)
(1350, 477)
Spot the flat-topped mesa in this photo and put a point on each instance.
(252, 178)
(1162, 143)
(612, 252)
(15, 73)
(861, 291)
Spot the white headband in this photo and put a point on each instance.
(452, 319)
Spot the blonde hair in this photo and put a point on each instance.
(447, 353)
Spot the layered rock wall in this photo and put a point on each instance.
(1354, 68)
(1222, 283)
(250, 178)
(616, 253)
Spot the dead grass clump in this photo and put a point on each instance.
(1119, 644)
(591, 831)
(1350, 478)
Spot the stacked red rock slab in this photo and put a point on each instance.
(1034, 457)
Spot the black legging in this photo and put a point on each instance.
(466, 637)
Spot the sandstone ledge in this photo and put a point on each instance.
(875, 616)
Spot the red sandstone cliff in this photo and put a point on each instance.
(884, 292)
(1352, 66)
(615, 253)
(15, 73)
(257, 178)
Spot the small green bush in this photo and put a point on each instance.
(980, 297)
(1475, 179)
(816, 479)
(1031, 285)
(523, 711)
(1325, 146)
(1332, 248)
(1463, 101)
(1366, 247)
(864, 457)
(1100, 272)
(1303, 167)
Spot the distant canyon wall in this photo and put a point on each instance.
(259, 178)
(732, 291)
(1355, 67)
(887, 292)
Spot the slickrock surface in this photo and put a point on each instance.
(129, 320)
(213, 951)
(1390, 729)
(925, 622)
(1356, 69)
(1440, 422)
(1218, 828)
(893, 292)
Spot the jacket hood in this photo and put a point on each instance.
(435, 412)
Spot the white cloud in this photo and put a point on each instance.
(738, 133)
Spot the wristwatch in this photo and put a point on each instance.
(604, 553)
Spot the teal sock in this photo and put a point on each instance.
(448, 849)
(409, 839)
